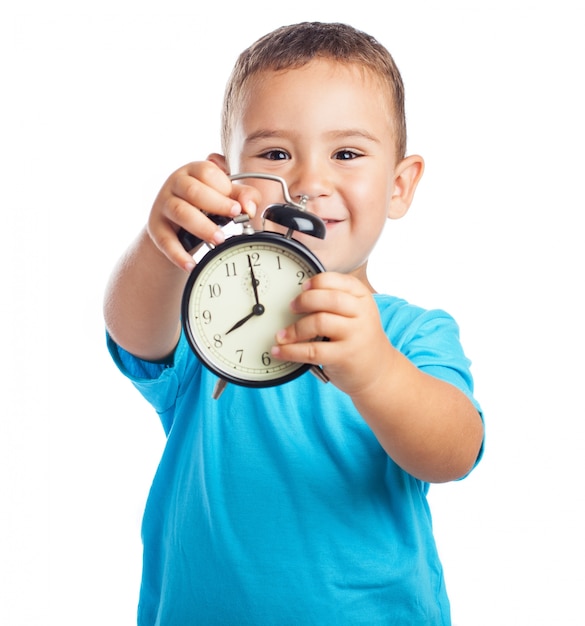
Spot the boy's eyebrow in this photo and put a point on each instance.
(348, 133)
(266, 134)
(345, 133)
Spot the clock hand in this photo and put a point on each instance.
(254, 281)
(240, 323)
(257, 309)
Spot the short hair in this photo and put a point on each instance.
(291, 47)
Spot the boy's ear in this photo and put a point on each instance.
(406, 177)
(220, 161)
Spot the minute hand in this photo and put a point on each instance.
(254, 281)
(258, 308)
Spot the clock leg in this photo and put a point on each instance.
(319, 373)
(219, 387)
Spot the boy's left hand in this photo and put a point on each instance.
(341, 308)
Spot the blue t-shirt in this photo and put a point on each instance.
(279, 507)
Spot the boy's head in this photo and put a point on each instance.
(291, 47)
(321, 106)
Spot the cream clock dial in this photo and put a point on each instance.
(237, 302)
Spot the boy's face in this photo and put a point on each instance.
(326, 128)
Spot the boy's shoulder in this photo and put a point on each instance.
(401, 313)
(418, 332)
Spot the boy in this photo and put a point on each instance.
(303, 503)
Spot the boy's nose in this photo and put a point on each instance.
(309, 182)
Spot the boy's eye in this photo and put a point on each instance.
(346, 155)
(275, 155)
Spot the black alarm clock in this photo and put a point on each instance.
(238, 295)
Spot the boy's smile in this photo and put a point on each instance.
(326, 128)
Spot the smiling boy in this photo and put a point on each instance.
(304, 503)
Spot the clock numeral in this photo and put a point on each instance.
(255, 257)
(214, 290)
(240, 354)
(301, 276)
(206, 315)
(230, 269)
(266, 360)
(217, 342)
(279, 266)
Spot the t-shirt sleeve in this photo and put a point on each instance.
(434, 346)
(431, 340)
(159, 383)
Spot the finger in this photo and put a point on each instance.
(184, 215)
(207, 176)
(316, 352)
(247, 197)
(309, 327)
(205, 196)
(326, 300)
(195, 191)
(164, 236)
(210, 174)
(338, 281)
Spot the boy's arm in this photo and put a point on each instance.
(427, 426)
(142, 301)
(143, 296)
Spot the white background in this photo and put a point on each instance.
(101, 102)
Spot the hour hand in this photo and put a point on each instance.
(257, 309)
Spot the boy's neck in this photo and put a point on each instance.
(361, 274)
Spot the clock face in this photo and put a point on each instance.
(236, 300)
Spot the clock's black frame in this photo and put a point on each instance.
(277, 239)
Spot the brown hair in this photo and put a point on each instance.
(290, 47)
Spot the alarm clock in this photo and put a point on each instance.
(238, 295)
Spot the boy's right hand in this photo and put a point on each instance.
(190, 192)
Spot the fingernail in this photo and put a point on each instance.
(251, 208)
(235, 210)
(281, 335)
(218, 237)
